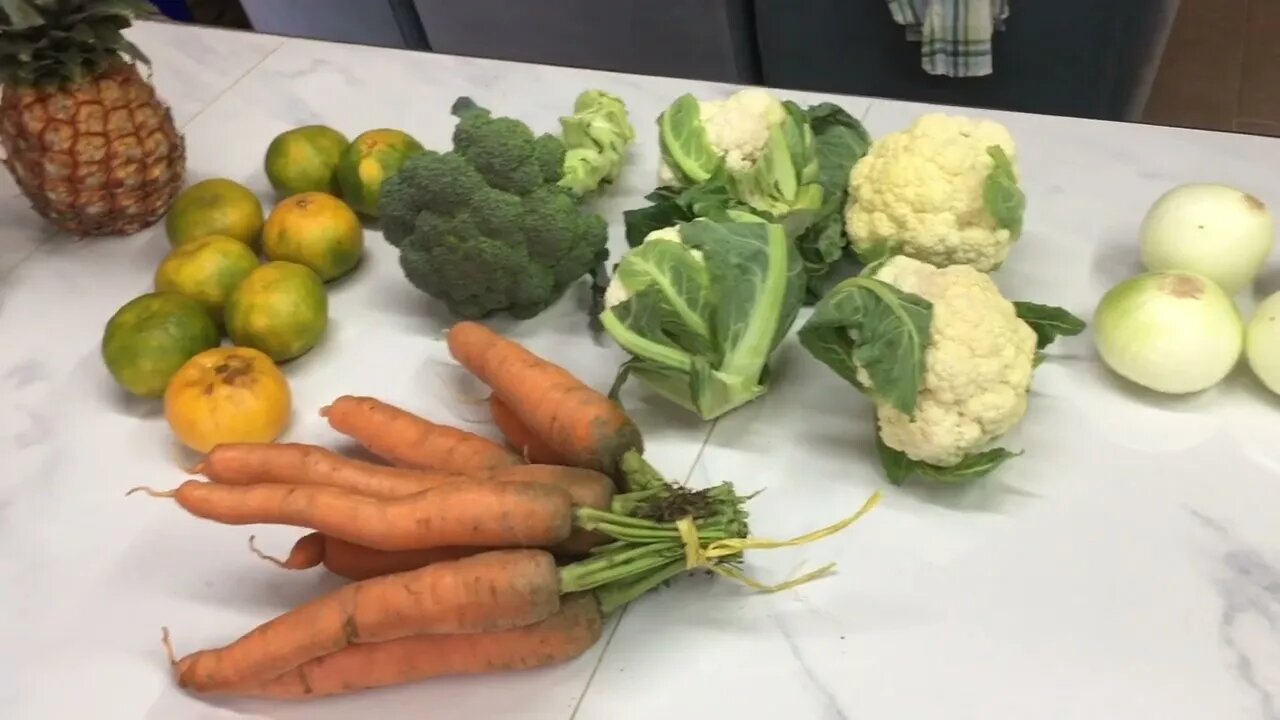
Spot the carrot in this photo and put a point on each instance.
(356, 562)
(291, 463)
(581, 424)
(246, 463)
(533, 448)
(463, 513)
(407, 440)
(488, 592)
(563, 636)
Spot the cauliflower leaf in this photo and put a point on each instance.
(1004, 199)
(840, 140)
(874, 336)
(686, 146)
(1048, 321)
(701, 308)
(898, 467)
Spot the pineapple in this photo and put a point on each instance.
(84, 135)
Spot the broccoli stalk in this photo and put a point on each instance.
(492, 225)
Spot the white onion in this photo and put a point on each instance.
(1172, 332)
(1262, 343)
(1209, 229)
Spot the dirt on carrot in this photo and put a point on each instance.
(407, 440)
(561, 637)
(489, 592)
(579, 423)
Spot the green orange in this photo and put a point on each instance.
(304, 159)
(217, 206)
(368, 161)
(206, 270)
(315, 229)
(151, 336)
(281, 309)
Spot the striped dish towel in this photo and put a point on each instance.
(954, 35)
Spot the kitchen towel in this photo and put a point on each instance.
(954, 35)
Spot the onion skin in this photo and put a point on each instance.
(1262, 343)
(1212, 230)
(1172, 332)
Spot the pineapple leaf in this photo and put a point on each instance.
(133, 52)
(16, 45)
(21, 14)
(112, 38)
(82, 32)
(125, 9)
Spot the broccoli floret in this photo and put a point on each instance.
(560, 238)
(505, 151)
(483, 234)
(548, 153)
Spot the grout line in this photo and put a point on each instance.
(234, 83)
(697, 458)
(599, 661)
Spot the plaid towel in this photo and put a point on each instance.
(954, 35)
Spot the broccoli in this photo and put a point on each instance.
(486, 227)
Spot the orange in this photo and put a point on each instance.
(315, 229)
(151, 336)
(206, 270)
(215, 207)
(227, 395)
(304, 159)
(281, 308)
(368, 161)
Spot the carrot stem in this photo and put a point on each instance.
(621, 592)
(603, 569)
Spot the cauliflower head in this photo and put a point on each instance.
(978, 365)
(943, 191)
(737, 127)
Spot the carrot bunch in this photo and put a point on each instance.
(465, 556)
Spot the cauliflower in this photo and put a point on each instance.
(977, 366)
(945, 357)
(943, 191)
(737, 127)
(760, 149)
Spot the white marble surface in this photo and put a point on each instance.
(1126, 567)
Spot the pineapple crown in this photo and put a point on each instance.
(60, 42)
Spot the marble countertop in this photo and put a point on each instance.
(1126, 567)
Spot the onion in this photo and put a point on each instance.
(1172, 332)
(1262, 343)
(1212, 230)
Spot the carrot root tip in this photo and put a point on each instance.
(168, 647)
(152, 492)
(254, 549)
